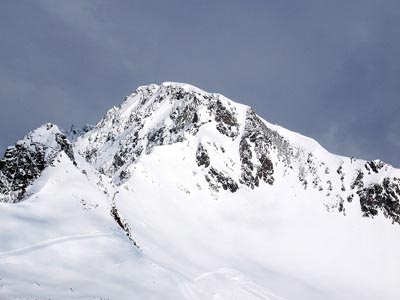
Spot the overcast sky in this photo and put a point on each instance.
(327, 69)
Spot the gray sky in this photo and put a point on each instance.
(326, 69)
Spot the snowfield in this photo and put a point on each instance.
(182, 194)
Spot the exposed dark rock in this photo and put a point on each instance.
(341, 207)
(374, 165)
(185, 117)
(195, 117)
(246, 154)
(90, 155)
(227, 123)
(265, 170)
(358, 181)
(341, 173)
(217, 179)
(270, 139)
(350, 198)
(339, 170)
(384, 197)
(202, 157)
(330, 187)
(155, 138)
(23, 163)
(118, 161)
(316, 182)
(66, 146)
(259, 140)
(123, 224)
(304, 182)
(123, 175)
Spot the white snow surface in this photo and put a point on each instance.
(274, 242)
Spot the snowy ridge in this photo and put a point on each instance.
(183, 194)
(235, 148)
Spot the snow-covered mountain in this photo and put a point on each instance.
(183, 194)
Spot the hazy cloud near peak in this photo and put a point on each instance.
(329, 70)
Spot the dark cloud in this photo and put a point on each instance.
(329, 70)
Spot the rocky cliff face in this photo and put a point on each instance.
(154, 116)
(231, 147)
(23, 163)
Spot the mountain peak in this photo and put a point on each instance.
(174, 85)
(158, 115)
(23, 163)
(187, 87)
(173, 160)
(230, 148)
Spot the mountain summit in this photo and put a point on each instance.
(199, 197)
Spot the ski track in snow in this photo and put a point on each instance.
(233, 278)
(55, 241)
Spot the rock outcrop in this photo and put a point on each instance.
(23, 163)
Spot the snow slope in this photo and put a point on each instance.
(183, 194)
